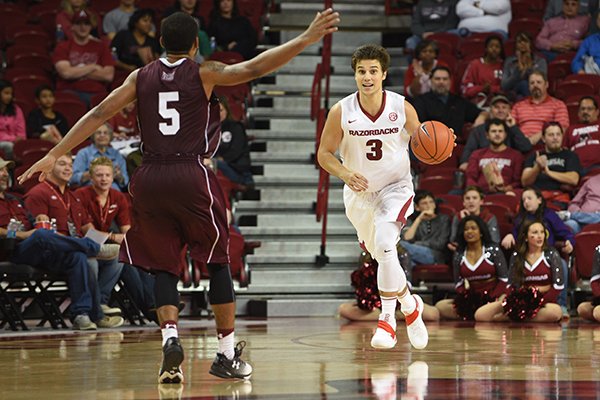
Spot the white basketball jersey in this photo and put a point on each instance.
(376, 146)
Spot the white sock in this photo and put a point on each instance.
(168, 331)
(407, 302)
(388, 310)
(226, 345)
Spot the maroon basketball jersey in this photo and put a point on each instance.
(174, 114)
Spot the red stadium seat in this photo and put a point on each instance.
(227, 57)
(529, 25)
(527, 9)
(12, 73)
(24, 147)
(454, 200)
(254, 10)
(471, 48)
(47, 20)
(25, 85)
(237, 98)
(509, 47)
(436, 184)
(66, 96)
(592, 79)
(445, 37)
(505, 228)
(591, 228)
(447, 209)
(512, 202)
(573, 88)
(41, 60)
(32, 38)
(437, 273)
(25, 105)
(558, 69)
(585, 243)
(72, 110)
(502, 212)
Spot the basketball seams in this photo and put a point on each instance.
(424, 153)
(425, 148)
(421, 148)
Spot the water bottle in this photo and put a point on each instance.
(60, 34)
(53, 225)
(213, 43)
(11, 229)
(114, 53)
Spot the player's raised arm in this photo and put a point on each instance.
(116, 100)
(216, 73)
(330, 142)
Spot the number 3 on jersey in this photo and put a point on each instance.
(376, 149)
(171, 127)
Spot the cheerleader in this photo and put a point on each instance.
(480, 272)
(367, 306)
(535, 279)
(590, 310)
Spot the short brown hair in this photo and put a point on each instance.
(474, 188)
(371, 52)
(100, 161)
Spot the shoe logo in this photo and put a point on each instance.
(235, 364)
(170, 326)
(387, 251)
(351, 121)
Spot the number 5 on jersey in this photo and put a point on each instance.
(171, 127)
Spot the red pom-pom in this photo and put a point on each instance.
(365, 282)
(466, 303)
(523, 303)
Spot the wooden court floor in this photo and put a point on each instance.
(310, 358)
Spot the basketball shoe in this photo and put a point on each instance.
(417, 332)
(170, 372)
(385, 335)
(235, 368)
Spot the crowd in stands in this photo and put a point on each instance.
(83, 50)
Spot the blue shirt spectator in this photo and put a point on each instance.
(100, 147)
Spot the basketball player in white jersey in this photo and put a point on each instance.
(369, 129)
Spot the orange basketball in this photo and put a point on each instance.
(433, 143)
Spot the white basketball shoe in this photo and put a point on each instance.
(417, 332)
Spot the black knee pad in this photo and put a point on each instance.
(221, 284)
(165, 290)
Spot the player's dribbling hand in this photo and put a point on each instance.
(44, 166)
(355, 181)
(325, 22)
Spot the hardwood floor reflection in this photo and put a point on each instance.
(310, 358)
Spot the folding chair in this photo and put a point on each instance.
(130, 311)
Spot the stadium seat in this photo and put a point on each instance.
(532, 26)
(227, 57)
(237, 98)
(471, 48)
(445, 37)
(512, 202)
(254, 11)
(502, 212)
(32, 38)
(12, 73)
(505, 228)
(591, 228)
(447, 209)
(25, 85)
(432, 273)
(436, 184)
(72, 110)
(585, 243)
(41, 60)
(509, 47)
(527, 9)
(454, 200)
(24, 147)
(573, 88)
(26, 106)
(592, 79)
(557, 70)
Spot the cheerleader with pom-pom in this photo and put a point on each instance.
(480, 271)
(367, 306)
(535, 280)
(590, 310)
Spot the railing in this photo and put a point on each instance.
(318, 112)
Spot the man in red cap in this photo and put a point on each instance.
(84, 63)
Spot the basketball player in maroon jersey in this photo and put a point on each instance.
(176, 200)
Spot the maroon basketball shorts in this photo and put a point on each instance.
(175, 203)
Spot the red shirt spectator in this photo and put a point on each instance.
(484, 75)
(47, 199)
(124, 123)
(584, 140)
(11, 207)
(65, 16)
(84, 63)
(115, 209)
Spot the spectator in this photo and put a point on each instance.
(500, 108)
(84, 64)
(233, 154)
(483, 75)
(533, 264)
(589, 309)
(441, 105)
(583, 138)
(479, 261)
(587, 59)
(52, 198)
(100, 147)
(584, 209)
(564, 33)
(124, 123)
(555, 171)
(44, 122)
(232, 31)
(135, 47)
(496, 169)
(532, 112)
(12, 122)
(117, 19)
(417, 79)
(555, 7)
(426, 234)
(192, 7)
(472, 201)
(69, 9)
(517, 68)
(109, 208)
(533, 207)
(484, 15)
(429, 17)
(41, 248)
(364, 309)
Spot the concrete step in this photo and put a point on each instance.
(280, 157)
(290, 181)
(291, 146)
(268, 112)
(304, 259)
(289, 125)
(273, 136)
(300, 221)
(348, 247)
(286, 194)
(277, 206)
(298, 21)
(296, 232)
(336, 82)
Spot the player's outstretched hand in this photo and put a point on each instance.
(355, 181)
(44, 166)
(325, 22)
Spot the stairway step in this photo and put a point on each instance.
(336, 248)
(299, 194)
(279, 157)
(349, 22)
(301, 221)
(300, 232)
(299, 259)
(291, 146)
(269, 112)
(277, 206)
(279, 135)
